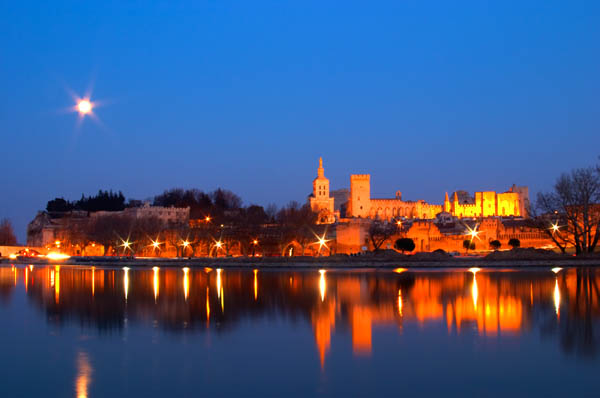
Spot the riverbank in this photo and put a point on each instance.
(517, 258)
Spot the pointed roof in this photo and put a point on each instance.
(446, 198)
(320, 170)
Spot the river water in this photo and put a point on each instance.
(101, 331)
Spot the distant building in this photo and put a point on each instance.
(357, 203)
(48, 228)
(168, 215)
(320, 201)
(514, 203)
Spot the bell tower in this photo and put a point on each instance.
(320, 202)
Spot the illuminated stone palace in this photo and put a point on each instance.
(512, 203)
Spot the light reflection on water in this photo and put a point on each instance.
(84, 375)
(377, 310)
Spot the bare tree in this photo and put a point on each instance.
(379, 232)
(576, 197)
(7, 234)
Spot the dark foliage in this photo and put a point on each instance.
(405, 244)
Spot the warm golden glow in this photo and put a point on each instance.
(185, 243)
(57, 256)
(475, 290)
(219, 244)
(57, 284)
(155, 282)
(255, 285)
(556, 270)
(554, 227)
(207, 306)
(255, 242)
(186, 283)
(30, 267)
(473, 232)
(155, 244)
(12, 256)
(400, 270)
(125, 245)
(474, 270)
(84, 375)
(219, 282)
(93, 281)
(207, 218)
(126, 281)
(322, 284)
(57, 243)
(400, 302)
(220, 291)
(556, 297)
(84, 106)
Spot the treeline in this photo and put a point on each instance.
(247, 234)
(103, 201)
(217, 216)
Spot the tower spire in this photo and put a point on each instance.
(320, 170)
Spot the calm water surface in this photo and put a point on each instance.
(102, 332)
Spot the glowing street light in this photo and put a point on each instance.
(219, 244)
(126, 245)
(473, 232)
(207, 218)
(255, 242)
(155, 244)
(554, 227)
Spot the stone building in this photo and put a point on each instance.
(320, 200)
(485, 204)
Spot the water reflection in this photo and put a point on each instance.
(126, 281)
(84, 375)
(564, 303)
(155, 282)
(322, 284)
(186, 283)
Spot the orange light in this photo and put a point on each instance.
(186, 283)
(57, 256)
(322, 284)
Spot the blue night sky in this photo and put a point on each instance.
(425, 96)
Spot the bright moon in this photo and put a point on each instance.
(84, 106)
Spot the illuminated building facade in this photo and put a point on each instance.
(485, 204)
(320, 201)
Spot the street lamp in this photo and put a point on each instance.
(126, 245)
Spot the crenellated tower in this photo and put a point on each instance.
(359, 204)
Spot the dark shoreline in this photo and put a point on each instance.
(366, 262)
